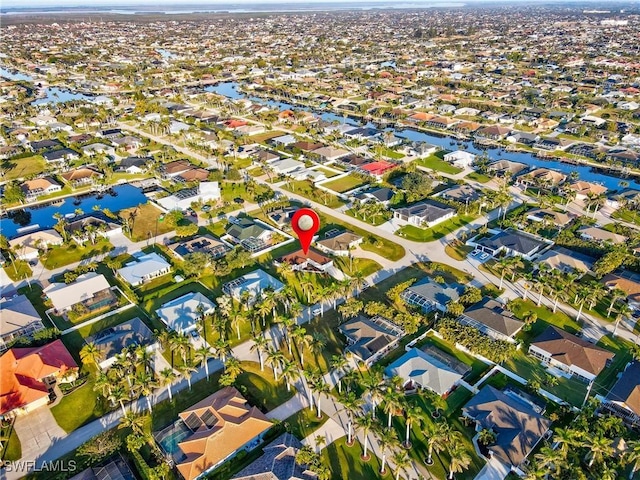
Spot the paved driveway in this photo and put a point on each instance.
(330, 431)
(37, 431)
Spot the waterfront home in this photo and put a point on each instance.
(182, 314)
(213, 431)
(39, 187)
(549, 216)
(517, 423)
(90, 289)
(92, 225)
(629, 284)
(30, 374)
(506, 168)
(585, 190)
(370, 339)
(425, 214)
(512, 243)
(181, 200)
(134, 165)
(81, 176)
(543, 178)
(568, 355)
(144, 269)
(19, 319)
(28, 246)
(460, 158)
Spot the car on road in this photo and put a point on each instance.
(316, 311)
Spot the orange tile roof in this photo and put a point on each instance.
(24, 368)
(233, 423)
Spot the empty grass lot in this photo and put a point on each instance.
(146, 220)
(436, 163)
(438, 231)
(23, 167)
(345, 184)
(313, 193)
(478, 177)
(72, 252)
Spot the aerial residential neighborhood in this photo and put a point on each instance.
(464, 306)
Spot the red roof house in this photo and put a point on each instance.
(24, 372)
(378, 168)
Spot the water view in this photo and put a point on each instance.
(41, 217)
(230, 90)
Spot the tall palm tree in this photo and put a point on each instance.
(393, 403)
(566, 439)
(339, 364)
(401, 461)
(582, 295)
(632, 457)
(437, 438)
(118, 394)
(222, 349)
(321, 388)
(623, 310)
(289, 373)
(366, 423)
(615, 294)
(388, 442)
(598, 447)
(201, 357)
(275, 359)
(186, 370)
(167, 377)
(146, 384)
(459, 460)
(412, 415)
(352, 404)
(551, 460)
(260, 345)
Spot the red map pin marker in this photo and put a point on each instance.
(305, 222)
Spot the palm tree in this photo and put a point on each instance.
(167, 377)
(550, 459)
(459, 460)
(260, 346)
(201, 357)
(615, 294)
(401, 461)
(321, 388)
(133, 421)
(392, 404)
(222, 349)
(437, 438)
(146, 384)
(339, 364)
(289, 373)
(632, 457)
(582, 294)
(598, 448)
(388, 442)
(275, 359)
(90, 354)
(352, 404)
(186, 370)
(412, 415)
(623, 310)
(566, 439)
(366, 422)
(503, 266)
(118, 395)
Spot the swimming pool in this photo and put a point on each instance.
(170, 437)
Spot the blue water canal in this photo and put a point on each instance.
(121, 196)
(230, 90)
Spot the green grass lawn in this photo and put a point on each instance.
(345, 462)
(148, 221)
(328, 173)
(390, 153)
(72, 252)
(263, 137)
(375, 221)
(304, 422)
(438, 231)
(80, 406)
(478, 177)
(261, 386)
(545, 316)
(608, 376)
(18, 270)
(23, 167)
(345, 184)
(435, 163)
(457, 251)
(626, 215)
(373, 243)
(313, 193)
(12, 449)
(364, 265)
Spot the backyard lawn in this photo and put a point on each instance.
(146, 220)
(364, 265)
(18, 270)
(304, 422)
(327, 172)
(436, 163)
(436, 232)
(345, 184)
(255, 385)
(12, 449)
(80, 406)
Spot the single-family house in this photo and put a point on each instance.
(550, 217)
(491, 318)
(81, 176)
(517, 425)
(97, 148)
(424, 214)
(19, 319)
(30, 374)
(628, 284)
(112, 340)
(285, 166)
(313, 261)
(427, 294)
(419, 370)
(542, 178)
(566, 261)
(39, 187)
(506, 168)
(90, 289)
(339, 243)
(181, 200)
(181, 314)
(254, 283)
(464, 194)
(252, 235)
(623, 400)
(460, 158)
(381, 195)
(330, 154)
(61, 155)
(134, 165)
(28, 246)
(206, 244)
(512, 242)
(572, 355)
(585, 190)
(370, 339)
(600, 235)
(144, 268)
(92, 225)
(212, 431)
